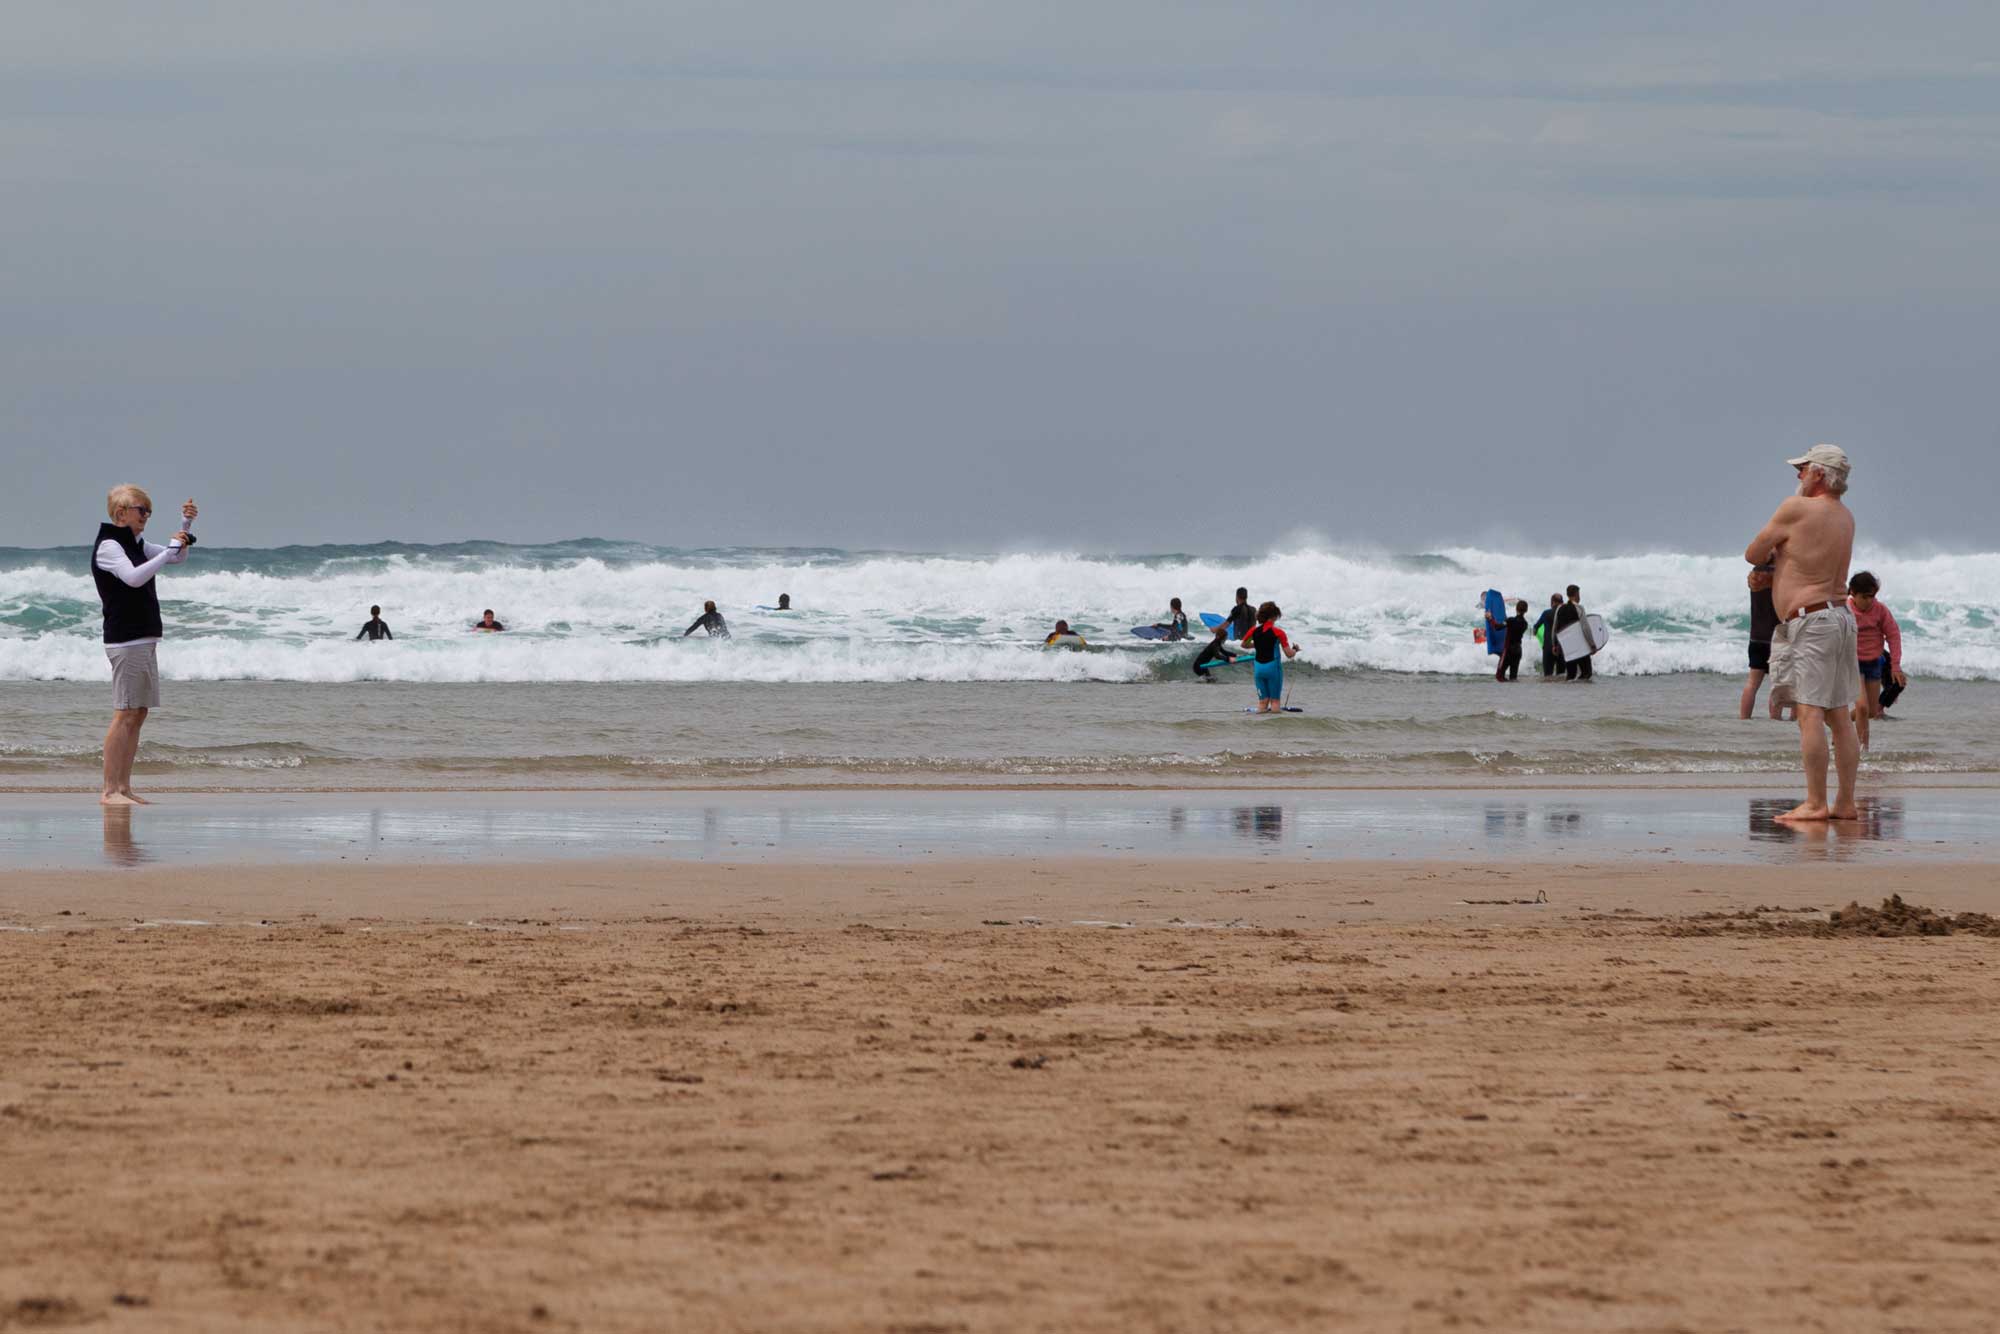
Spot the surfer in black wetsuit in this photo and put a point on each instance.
(1216, 650)
(1176, 624)
(376, 628)
(1545, 630)
(1242, 616)
(709, 620)
(1567, 615)
(487, 623)
(1512, 632)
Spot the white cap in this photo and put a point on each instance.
(1825, 456)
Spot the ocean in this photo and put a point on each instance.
(927, 669)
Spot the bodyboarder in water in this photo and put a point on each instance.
(1217, 650)
(709, 620)
(374, 627)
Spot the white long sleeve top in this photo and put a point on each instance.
(111, 559)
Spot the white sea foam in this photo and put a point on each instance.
(580, 616)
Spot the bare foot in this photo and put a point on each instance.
(1846, 813)
(134, 798)
(117, 799)
(1805, 813)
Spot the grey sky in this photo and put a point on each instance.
(1159, 276)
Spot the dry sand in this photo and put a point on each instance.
(783, 1098)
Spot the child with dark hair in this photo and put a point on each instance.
(1217, 650)
(1267, 641)
(1874, 627)
(1510, 654)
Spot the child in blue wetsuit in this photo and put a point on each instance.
(1267, 641)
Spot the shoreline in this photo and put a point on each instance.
(1130, 892)
(1499, 785)
(1596, 824)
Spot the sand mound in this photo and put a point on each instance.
(1893, 918)
(1897, 918)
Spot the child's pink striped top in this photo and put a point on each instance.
(1872, 628)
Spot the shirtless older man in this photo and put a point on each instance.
(1813, 664)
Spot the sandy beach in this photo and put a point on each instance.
(965, 1096)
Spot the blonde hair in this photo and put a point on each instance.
(125, 494)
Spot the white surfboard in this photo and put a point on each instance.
(1580, 639)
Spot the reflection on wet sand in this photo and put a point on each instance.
(1880, 818)
(1265, 823)
(42, 834)
(1564, 821)
(119, 847)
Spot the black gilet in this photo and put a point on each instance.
(129, 613)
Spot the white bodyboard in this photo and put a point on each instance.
(1580, 639)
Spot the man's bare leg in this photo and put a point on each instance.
(121, 747)
(1846, 763)
(1812, 750)
(1748, 704)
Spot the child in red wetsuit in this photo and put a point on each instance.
(1266, 640)
(1873, 628)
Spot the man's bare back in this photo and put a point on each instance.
(1811, 541)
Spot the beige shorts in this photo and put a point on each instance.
(1814, 660)
(135, 675)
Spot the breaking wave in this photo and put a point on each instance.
(604, 611)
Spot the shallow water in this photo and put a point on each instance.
(1360, 728)
(43, 832)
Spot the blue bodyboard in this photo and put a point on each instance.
(1211, 620)
(1496, 623)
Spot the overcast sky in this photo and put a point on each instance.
(1112, 275)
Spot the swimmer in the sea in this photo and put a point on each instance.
(487, 623)
(375, 627)
(1217, 650)
(709, 620)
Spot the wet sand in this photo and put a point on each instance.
(1595, 823)
(636, 1096)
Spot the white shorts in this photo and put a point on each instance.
(1814, 660)
(135, 675)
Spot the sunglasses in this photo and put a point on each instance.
(146, 510)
